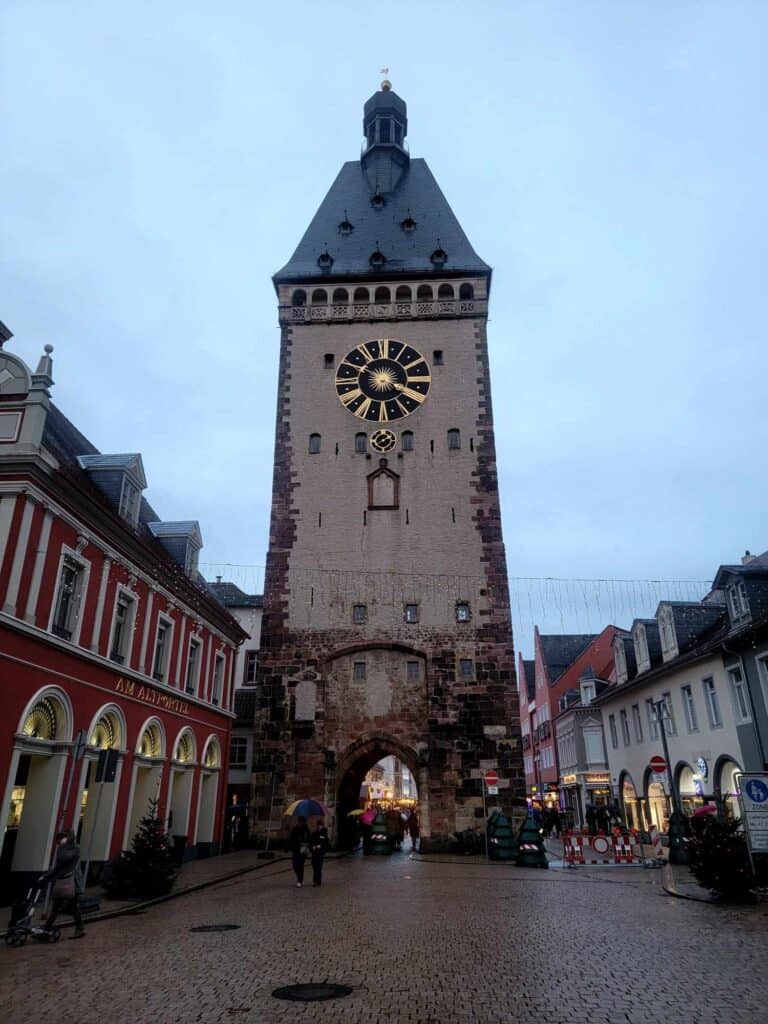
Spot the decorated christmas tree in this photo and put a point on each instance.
(148, 869)
(531, 849)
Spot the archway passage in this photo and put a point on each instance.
(377, 774)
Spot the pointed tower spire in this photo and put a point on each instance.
(385, 150)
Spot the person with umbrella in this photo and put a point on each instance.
(299, 839)
(367, 819)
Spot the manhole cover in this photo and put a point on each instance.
(215, 928)
(312, 992)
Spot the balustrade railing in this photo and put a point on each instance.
(383, 310)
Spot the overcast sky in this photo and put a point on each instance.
(161, 160)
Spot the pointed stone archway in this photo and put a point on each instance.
(345, 777)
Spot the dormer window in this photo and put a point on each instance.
(346, 227)
(438, 257)
(620, 659)
(587, 692)
(378, 259)
(408, 225)
(182, 541)
(325, 260)
(667, 630)
(129, 501)
(378, 202)
(737, 602)
(641, 644)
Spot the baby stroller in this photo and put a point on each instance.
(21, 924)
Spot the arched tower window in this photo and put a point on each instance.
(403, 293)
(383, 294)
(445, 291)
(299, 297)
(319, 297)
(425, 293)
(454, 439)
(466, 292)
(361, 295)
(340, 295)
(314, 444)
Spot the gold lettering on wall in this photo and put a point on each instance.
(151, 696)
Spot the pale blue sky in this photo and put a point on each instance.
(161, 161)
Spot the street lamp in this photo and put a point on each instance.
(677, 827)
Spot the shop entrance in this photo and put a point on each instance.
(378, 777)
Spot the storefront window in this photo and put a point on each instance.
(658, 806)
(689, 787)
(629, 801)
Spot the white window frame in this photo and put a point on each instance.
(198, 643)
(641, 641)
(242, 744)
(162, 676)
(251, 660)
(712, 705)
(68, 553)
(653, 725)
(217, 683)
(620, 658)
(587, 693)
(689, 706)
(741, 709)
(670, 725)
(738, 601)
(192, 558)
(130, 623)
(624, 722)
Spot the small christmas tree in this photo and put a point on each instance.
(531, 849)
(719, 859)
(148, 869)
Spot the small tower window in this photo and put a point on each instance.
(463, 611)
(378, 259)
(299, 297)
(437, 357)
(385, 130)
(424, 293)
(406, 440)
(466, 292)
(377, 202)
(319, 297)
(325, 260)
(438, 257)
(361, 295)
(314, 444)
(359, 614)
(358, 671)
(454, 439)
(398, 133)
(466, 668)
(408, 225)
(445, 291)
(346, 227)
(411, 613)
(413, 670)
(361, 443)
(403, 293)
(382, 294)
(328, 360)
(340, 295)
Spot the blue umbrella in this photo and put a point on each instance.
(306, 808)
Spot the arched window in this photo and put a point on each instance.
(403, 293)
(299, 297)
(445, 291)
(383, 295)
(314, 444)
(406, 440)
(454, 438)
(319, 297)
(361, 441)
(361, 295)
(466, 292)
(425, 293)
(340, 295)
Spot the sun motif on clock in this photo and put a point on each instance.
(383, 380)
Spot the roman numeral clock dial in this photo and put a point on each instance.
(383, 380)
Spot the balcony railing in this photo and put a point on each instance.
(383, 310)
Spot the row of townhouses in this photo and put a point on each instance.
(593, 706)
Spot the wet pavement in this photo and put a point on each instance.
(423, 941)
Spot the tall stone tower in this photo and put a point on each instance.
(386, 608)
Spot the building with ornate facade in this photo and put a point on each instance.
(116, 661)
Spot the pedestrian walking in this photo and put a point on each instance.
(367, 819)
(318, 845)
(413, 829)
(67, 881)
(299, 842)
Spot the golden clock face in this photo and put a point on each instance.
(383, 380)
(382, 440)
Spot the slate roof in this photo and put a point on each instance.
(414, 193)
(560, 651)
(232, 596)
(693, 621)
(529, 668)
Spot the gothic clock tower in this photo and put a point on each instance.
(386, 608)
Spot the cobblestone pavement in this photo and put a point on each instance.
(425, 942)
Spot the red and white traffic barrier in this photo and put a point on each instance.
(600, 849)
(658, 849)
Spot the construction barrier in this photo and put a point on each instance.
(619, 848)
(658, 849)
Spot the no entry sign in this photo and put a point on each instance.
(658, 764)
(491, 778)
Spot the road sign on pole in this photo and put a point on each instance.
(493, 791)
(491, 778)
(753, 797)
(658, 764)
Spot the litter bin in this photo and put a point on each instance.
(379, 839)
(502, 844)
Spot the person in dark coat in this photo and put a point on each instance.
(413, 828)
(67, 881)
(318, 845)
(603, 821)
(299, 844)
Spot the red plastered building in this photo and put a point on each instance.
(110, 640)
(560, 661)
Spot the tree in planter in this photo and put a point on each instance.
(149, 868)
(719, 859)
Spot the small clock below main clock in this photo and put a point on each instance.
(383, 380)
